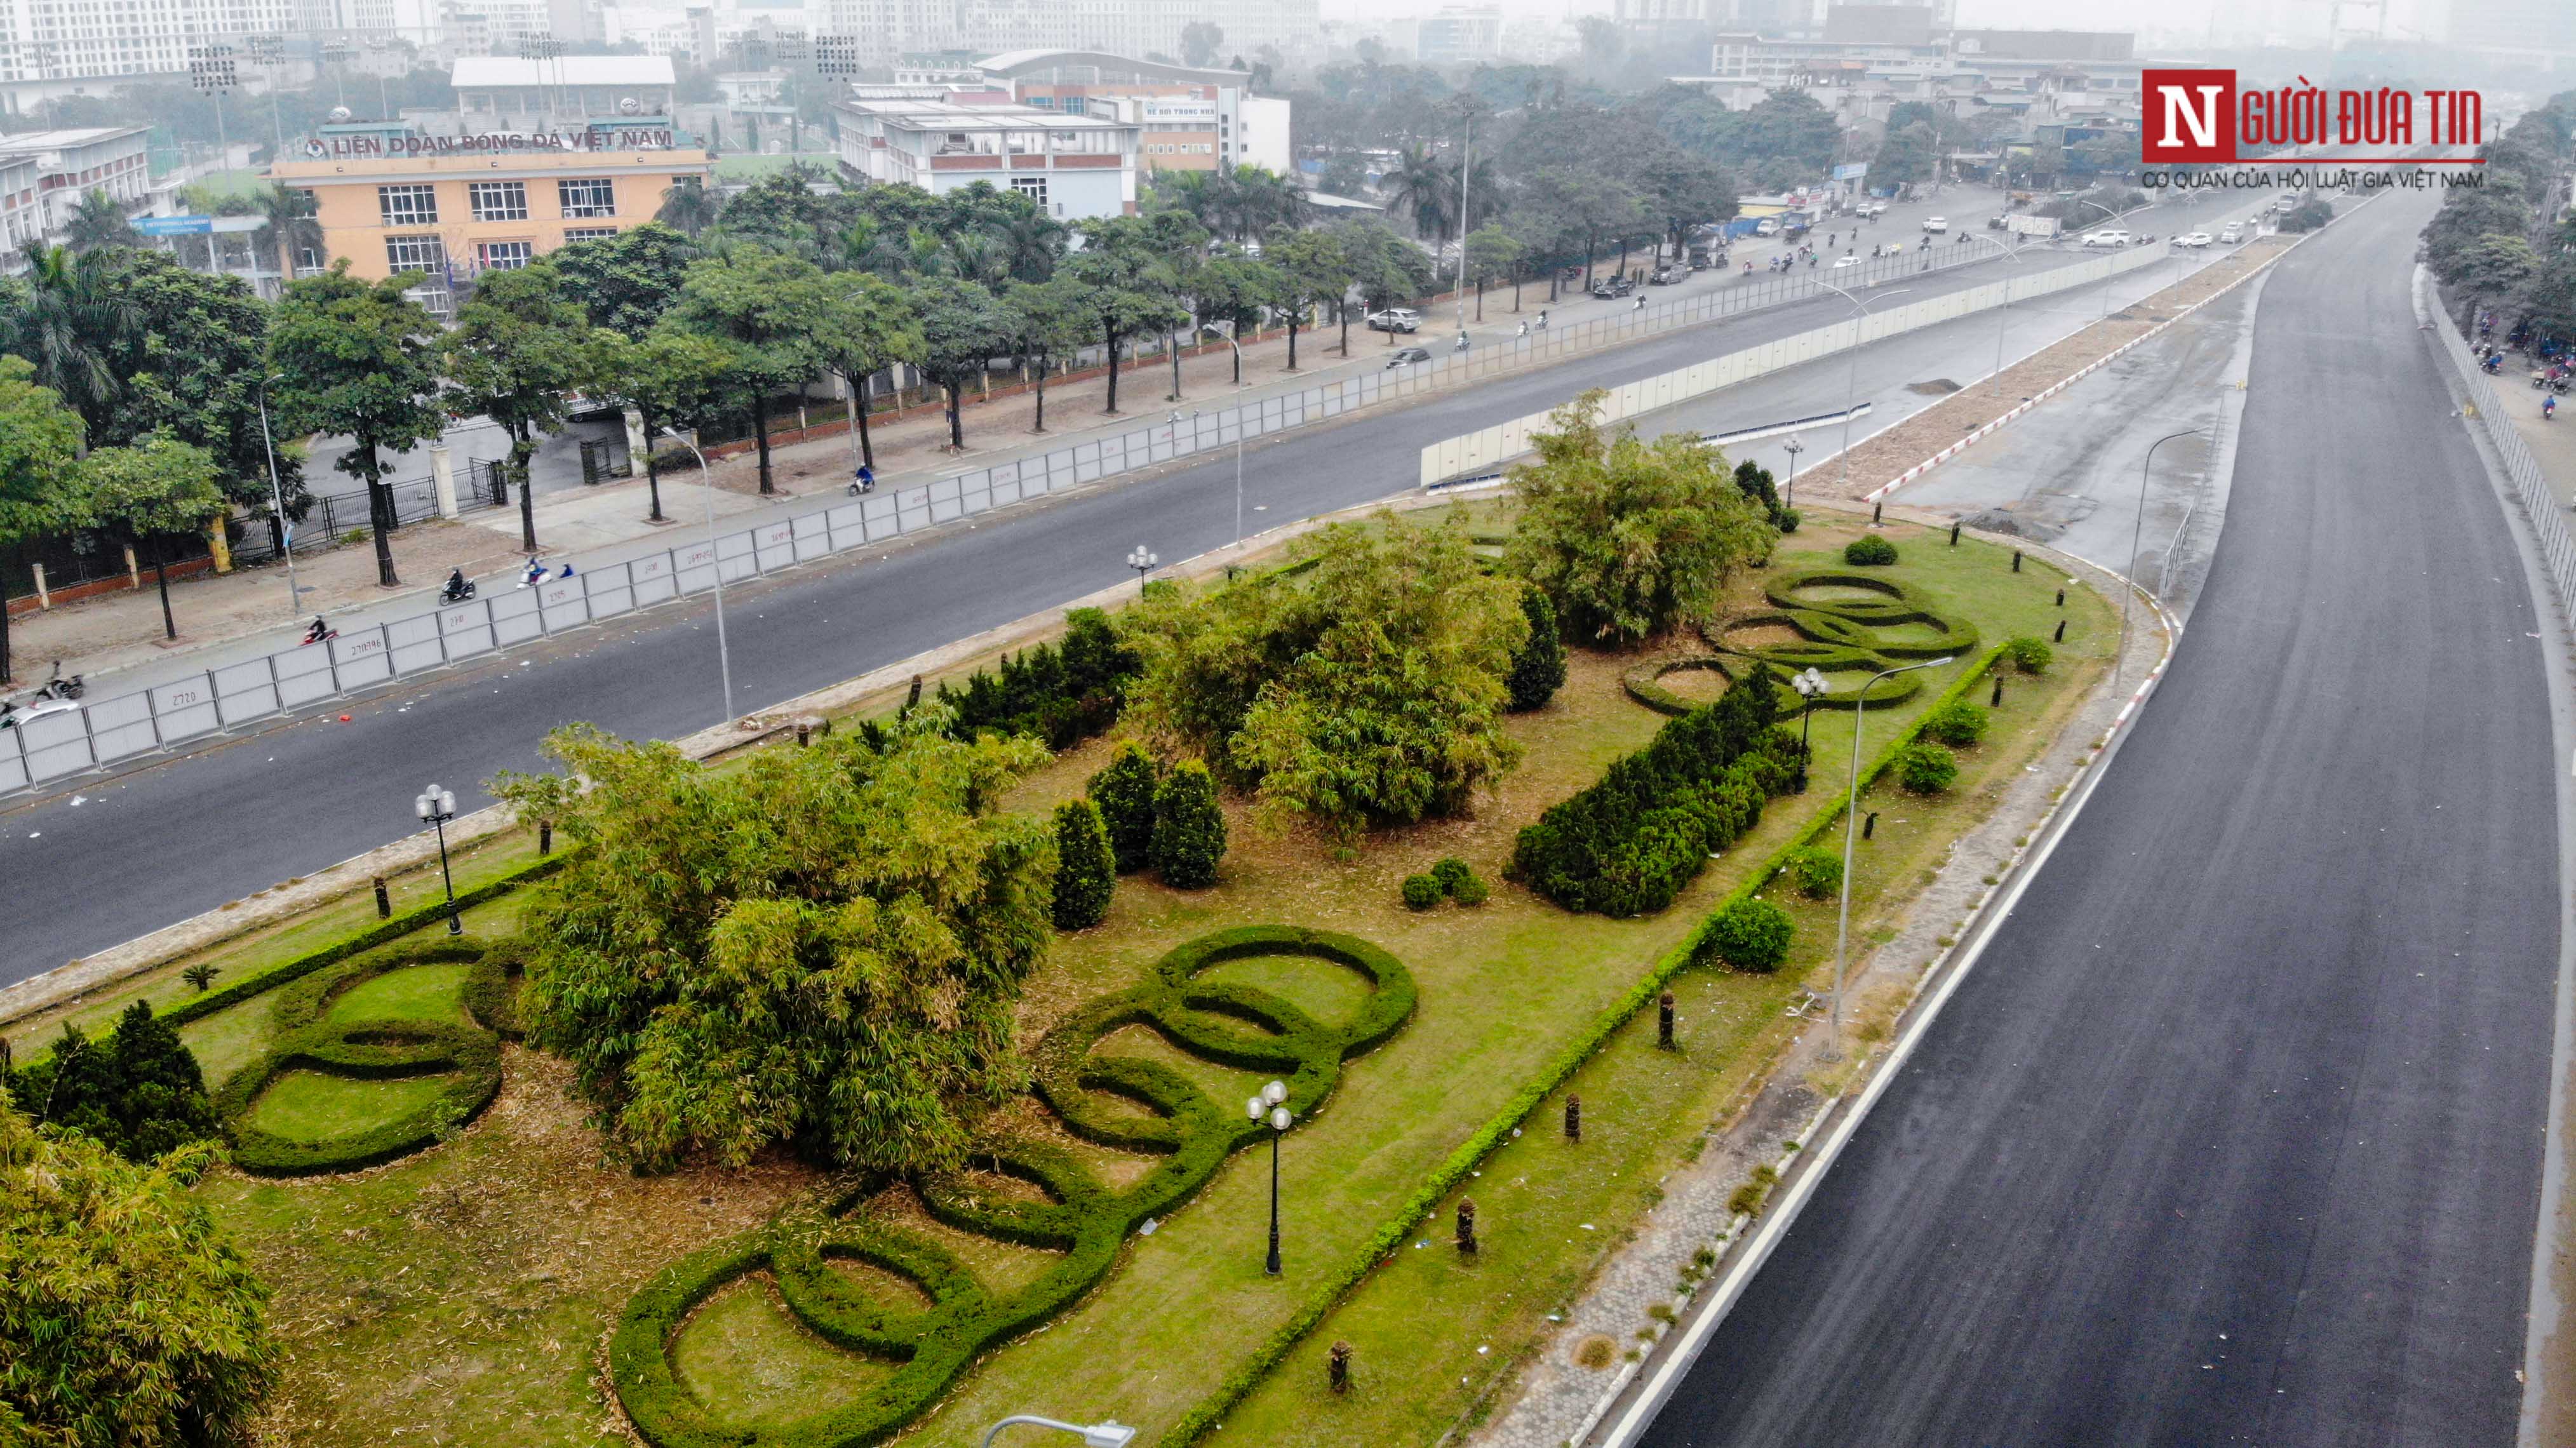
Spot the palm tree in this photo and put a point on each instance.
(976, 256)
(688, 207)
(1033, 242)
(1424, 184)
(1264, 201)
(98, 221)
(288, 210)
(71, 320)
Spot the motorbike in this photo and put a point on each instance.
(459, 588)
(58, 688)
(319, 633)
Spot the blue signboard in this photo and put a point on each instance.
(175, 225)
(1851, 171)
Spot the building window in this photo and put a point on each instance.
(588, 233)
(407, 205)
(1032, 187)
(596, 197)
(504, 255)
(500, 200)
(416, 254)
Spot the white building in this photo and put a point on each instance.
(504, 93)
(1072, 166)
(53, 48)
(1458, 35)
(22, 213)
(891, 28)
(70, 164)
(1261, 134)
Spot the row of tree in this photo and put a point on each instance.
(2507, 245)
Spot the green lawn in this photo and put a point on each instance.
(311, 1106)
(498, 1260)
(414, 993)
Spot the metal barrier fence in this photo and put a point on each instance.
(2548, 523)
(108, 731)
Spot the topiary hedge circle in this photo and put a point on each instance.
(1231, 1024)
(1645, 683)
(379, 1050)
(1840, 635)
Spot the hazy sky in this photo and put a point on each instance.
(2290, 19)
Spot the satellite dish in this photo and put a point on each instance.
(339, 113)
(629, 106)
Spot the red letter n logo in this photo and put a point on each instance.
(2187, 116)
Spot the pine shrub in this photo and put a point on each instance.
(1086, 867)
(1125, 793)
(2028, 654)
(1538, 669)
(1421, 892)
(1470, 891)
(1869, 551)
(1189, 828)
(1061, 694)
(1818, 871)
(1750, 935)
(1449, 872)
(1957, 724)
(1926, 768)
(138, 1089)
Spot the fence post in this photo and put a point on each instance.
(442, 477)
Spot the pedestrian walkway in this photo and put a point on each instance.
(2552, 444)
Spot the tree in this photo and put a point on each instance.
(862, 327)
(290, 214)
(962, 328)
(1792, 126)
(1494, 254)
(138, 1092)
(40, 494)
(1124, 790)
(627, 282)
(1201, 42)
(1367, 689)
(359, 358)
(1086, 868)
(1236, 290)
(125, 1317)
(190, 365)
(688, 207)
(517, 353)
(1903, 158)
(671, 377)
(823, 948)
(1424, 186)
(1538, 665)
(72, 321)
(155, 488)
(1313, 271)
(757, 303)
(99, 222)
(1125, 270)
(1049, 321)
(1629, 537)
(1385, 268)
(1189, 827)
(1579, 208)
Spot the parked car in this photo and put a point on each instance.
(1612, 286)
(1395, 319)
(1669, 273)
(2112, 238)
(1872, 209)
(1767, 226)
(1407, 356)
(2231, 233)
(2194, 239)
(1936, 223)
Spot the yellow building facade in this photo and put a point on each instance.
(452, 208)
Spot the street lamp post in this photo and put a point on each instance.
(436, 807)
(706, 484)
(1111, 1434)
(1994, 384)
(1793, 447)
(1143, 560)
(1268, 1106)
(277, 500)
(1811, 686)
(1851, 387)
(1851, 830)
(2137, 530)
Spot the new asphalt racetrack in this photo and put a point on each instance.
(2234, 1136)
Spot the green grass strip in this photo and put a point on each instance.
(1210, 1414)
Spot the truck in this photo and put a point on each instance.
(2031, 225)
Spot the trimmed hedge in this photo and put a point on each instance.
(1645, 683)
(1472, 1154)
(382, 1050)
(1538, 667)
(1838, 635)
(1869, 551)
(1234, 1025)
(1189, 827)
(1628, 844)
(1062, 695)
(1124, 790)
(1086, 874)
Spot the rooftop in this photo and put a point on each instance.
(939, 116)
(1027, 64)
(477, 71)
(35, 141)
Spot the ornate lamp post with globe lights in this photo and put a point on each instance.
(1811, 686)
(1268, 1106)
(1143, 561)
(436, 807)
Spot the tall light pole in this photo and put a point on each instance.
(1466, 160)
(1111, 1434)
(1268, 1107)
(706, 483)
(1851, 831)
(1851, 388)
(2137, 530)
(1994, 384)
(277, 500)
(1793, 447)
(2108, 215)
(436, 807)
(1811, 686)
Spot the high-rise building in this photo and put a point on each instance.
(60, 47)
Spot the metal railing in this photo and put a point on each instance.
(2530, 484)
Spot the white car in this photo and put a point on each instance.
(1843, 261)
(2231, 233)
(1767, 226)
(1936, 223)
(1873, 210)
(2112, 238)
(2192, 239)
(1395, 319)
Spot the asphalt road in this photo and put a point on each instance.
(2234, 1136)
(142, 850)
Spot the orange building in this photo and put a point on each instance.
(455, 207)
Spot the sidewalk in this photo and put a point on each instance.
(2552, 444)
